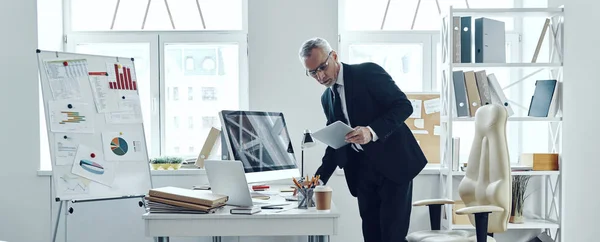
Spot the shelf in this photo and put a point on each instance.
(506, 65)
(507, 12)
(528, 224)
(514, 173)
(526, 119)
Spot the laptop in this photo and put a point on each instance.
(227, 177)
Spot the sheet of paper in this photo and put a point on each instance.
(65, 88)
(61, 68)
(128, 102)
(122, 77)
(416, 104)
(65, 77)
(124, 146)
(90, 163)
(68, 183)
(437, 130)
(65, 148)
(126, 117)
(105, 100)
(420, 123)
(432, 105)
(67, 116)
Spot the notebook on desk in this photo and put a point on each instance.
(245, 210)
(201, 197)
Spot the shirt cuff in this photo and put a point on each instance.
(375, 138)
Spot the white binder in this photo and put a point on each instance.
(490, 41)
(498, 95)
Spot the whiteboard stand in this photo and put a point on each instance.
(95, 129)
(71, 210)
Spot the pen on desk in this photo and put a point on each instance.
(296, 182)
(272, 207)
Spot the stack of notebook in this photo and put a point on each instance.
(181, 200)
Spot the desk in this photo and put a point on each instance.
(289, 221)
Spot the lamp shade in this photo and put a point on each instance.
(307, 139)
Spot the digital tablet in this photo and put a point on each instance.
(334, 135)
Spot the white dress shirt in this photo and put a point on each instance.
(340, 82)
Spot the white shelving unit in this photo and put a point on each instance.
(549, 218)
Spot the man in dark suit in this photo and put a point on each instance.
(383, 156)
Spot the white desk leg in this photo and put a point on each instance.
(162, 239)
(216, 238)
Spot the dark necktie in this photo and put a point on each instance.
(341, 155)
(337, 105)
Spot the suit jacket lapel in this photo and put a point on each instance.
(349, 93)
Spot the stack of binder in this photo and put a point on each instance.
(181, 200)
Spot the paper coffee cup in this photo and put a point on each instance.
(323, 197)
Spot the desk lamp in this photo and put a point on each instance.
(307, 142)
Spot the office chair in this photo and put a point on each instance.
(485, 189)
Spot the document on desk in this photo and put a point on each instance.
(334, 135)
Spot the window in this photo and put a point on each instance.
(190, 94)
(175, 93)
(191, 122)
(178, 45)
(404, 62)
(208, 122)
(209, 94)
(152, 15)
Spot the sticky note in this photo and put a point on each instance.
(437, 130)
(419, 123)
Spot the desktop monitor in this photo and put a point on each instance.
(260, 140)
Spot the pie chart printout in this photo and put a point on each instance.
(119, 146)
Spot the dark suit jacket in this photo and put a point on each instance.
(373, 99)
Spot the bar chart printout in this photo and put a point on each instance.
(123, 79)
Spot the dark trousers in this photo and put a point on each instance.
(384, 205)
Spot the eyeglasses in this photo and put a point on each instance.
(321, 67)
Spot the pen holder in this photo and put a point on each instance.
(306, 198)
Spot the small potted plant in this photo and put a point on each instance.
(519, 187)
(158, 163)
(175, 162)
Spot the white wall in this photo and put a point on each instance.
(24, 206)
(580, 104)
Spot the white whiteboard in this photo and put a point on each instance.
(95, 130)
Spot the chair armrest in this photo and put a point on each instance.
(479, 209)
(435, 210)
(481, 218)
(427, 202)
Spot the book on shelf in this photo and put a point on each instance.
(473, 90)
(544, 102)
(481, 40)
(540, 40)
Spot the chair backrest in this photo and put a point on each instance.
(488, 176)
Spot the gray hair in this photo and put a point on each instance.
(309, 45)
